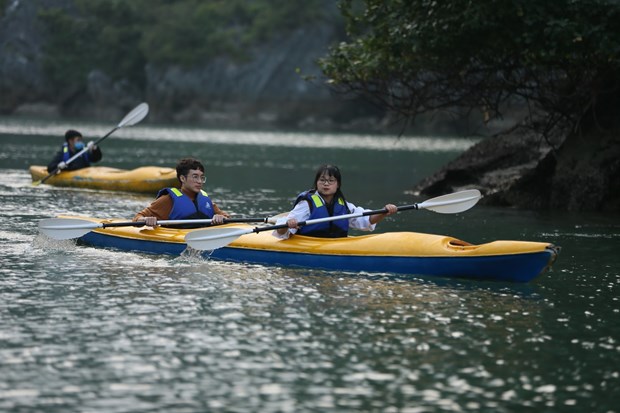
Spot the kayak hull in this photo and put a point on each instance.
(146, 179)
(406, 253)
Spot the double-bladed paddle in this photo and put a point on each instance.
(67, 228)
(133, 117)
(213, 238)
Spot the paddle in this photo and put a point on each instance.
(67, 228)
(213, 238)
(133, 117)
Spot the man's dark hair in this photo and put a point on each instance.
(185, 164)
(70, 134)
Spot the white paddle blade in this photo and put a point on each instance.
(452, 203)
(135, 115)
(214, 238)
(66, 228)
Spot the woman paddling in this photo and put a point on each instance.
(326, 199)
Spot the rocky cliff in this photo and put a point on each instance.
(22, 80)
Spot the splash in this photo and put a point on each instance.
(48, 244)
(193, 256)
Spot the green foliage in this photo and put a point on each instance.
(192, 31)
(425, 55)
(79, 44)
(119, 37)
(69, 34)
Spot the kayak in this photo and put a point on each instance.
(405, 253)
(146, 179)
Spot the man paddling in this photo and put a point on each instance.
(74, 143)
(189, 201)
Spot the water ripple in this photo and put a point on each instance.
(98, 330)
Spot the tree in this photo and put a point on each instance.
(560, 59)
(120, 37)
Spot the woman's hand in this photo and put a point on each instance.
(292, 223)
(392, 209)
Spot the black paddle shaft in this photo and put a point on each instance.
(123, 224)
(141, 223)
(383, 211)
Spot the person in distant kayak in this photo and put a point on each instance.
(326, 199)
(74, 143)
(189, 201)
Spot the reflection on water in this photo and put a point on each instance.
(85, 329)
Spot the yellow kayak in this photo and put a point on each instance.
(408, 253)
(146, 179)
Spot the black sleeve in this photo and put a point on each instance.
(95, 155)
(54, 163)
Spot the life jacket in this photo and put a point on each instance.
(66, 155)
(184, 208)
(332, 229)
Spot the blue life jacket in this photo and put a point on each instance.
(184, 208)
(66, 155)
(332, 229)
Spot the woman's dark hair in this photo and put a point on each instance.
(185, 164)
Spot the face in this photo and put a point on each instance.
(327, 185)
(193, 181)
(76, 143)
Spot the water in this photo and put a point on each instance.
(92, 330)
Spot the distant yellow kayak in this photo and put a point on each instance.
(146, 179)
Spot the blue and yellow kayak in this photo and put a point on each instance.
(146, 179)
(408, 253)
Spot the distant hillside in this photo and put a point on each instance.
(226, 63)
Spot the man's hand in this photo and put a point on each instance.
(217, 219)
(60, 167)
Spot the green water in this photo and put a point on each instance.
(92, 330)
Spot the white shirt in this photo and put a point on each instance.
(301, 212)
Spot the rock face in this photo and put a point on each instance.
(573, 171)
(21, 76)
(267, 88)
(494, 165)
